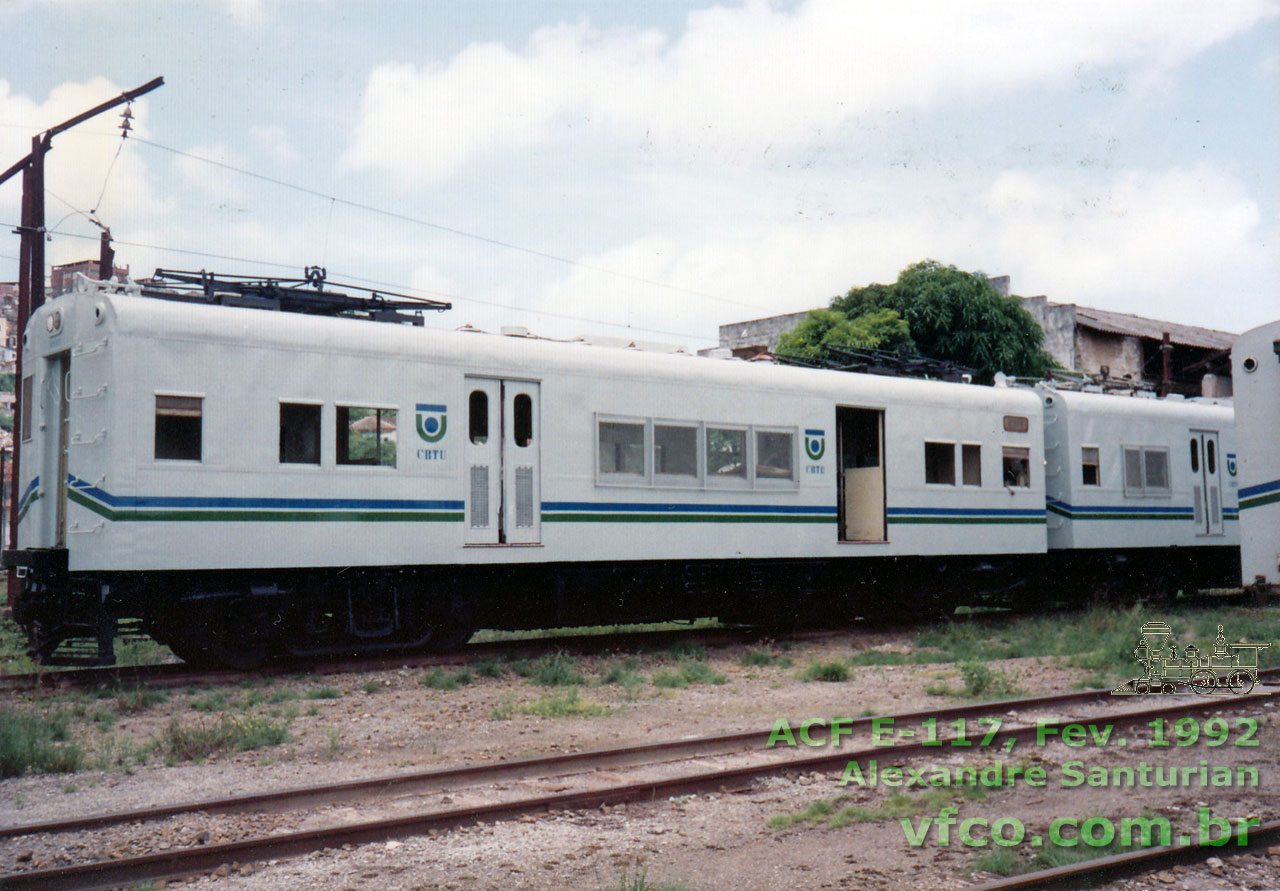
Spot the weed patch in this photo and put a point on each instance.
(833, 672)
(567, 704)
(35, 743)
(191, 742)
(440, 680)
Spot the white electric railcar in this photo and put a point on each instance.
(245, 482)
(1255, 372)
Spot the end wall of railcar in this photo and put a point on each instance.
(1255, 372)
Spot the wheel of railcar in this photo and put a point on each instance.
(1203, 680)
(1240, 682)
(1142, 688)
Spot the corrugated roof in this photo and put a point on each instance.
(1137, 326)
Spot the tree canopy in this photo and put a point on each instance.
(934, 310)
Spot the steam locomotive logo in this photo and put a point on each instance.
(1227, 668)
(432, 422)
(815, 444)
(1231, 465)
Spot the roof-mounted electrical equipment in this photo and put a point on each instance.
(307, 295)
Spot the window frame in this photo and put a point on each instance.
(313, 403)
(1017, 447)
(1096, 464)
(1143, 490)
(772, 482)
(624, 478)
(155, 417)
(338, 428)
(950, 444)
(747, 479)
(962, 481)
(679, 480)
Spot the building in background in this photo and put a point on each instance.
(1096, 342)
(62, 278)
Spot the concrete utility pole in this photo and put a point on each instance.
(31, 267)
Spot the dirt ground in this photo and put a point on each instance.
(392, 722)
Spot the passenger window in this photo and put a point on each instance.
(775, 456)
(1016, 424)
(299, 433)
(1195, 455)
(366, 436)
(940, 463)
(675, 450)
(478, 417)
(26, 408)
(1210, 462)
(621, 447)
(1017, 467)
(178, 427)
(522, 420)
(1146, 471)
(1133, 470)
(726, 453)
(1092, 471)
(1157, 469)
(971, 461)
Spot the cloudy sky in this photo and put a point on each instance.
(662, 168)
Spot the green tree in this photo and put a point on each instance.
(949, 314)
(880, 329)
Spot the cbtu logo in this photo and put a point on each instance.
(815, 444)
(1231, 464)
(432, 422)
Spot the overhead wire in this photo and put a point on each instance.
(390, 285)
(462, 233)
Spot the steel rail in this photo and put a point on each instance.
(420, 782)
(1119, 865)
(172, 864)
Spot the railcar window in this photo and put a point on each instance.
(1091, 474)
(1157, 469)
(178, 427)
(1146, 471)
(1016, 424)
(971, 464)
(726, 453)
(26, 408)
(478, 417)
(621, 447)
(1195, 455)
(1133, 470)
(522, 420)
(775, 455)
(299, 433)
(940, 463)
(1210, 463)
(675, 450)
(1017, 467)
(366, 436)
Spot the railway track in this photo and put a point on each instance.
(1089, 872)
(778, 760)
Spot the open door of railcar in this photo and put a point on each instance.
(860, 486)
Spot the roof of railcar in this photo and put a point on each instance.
(146, 317)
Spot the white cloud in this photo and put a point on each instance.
(273, 142)
(1135, 240)
(740, 81)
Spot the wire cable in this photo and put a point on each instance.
(392, 285)
(458, 232)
